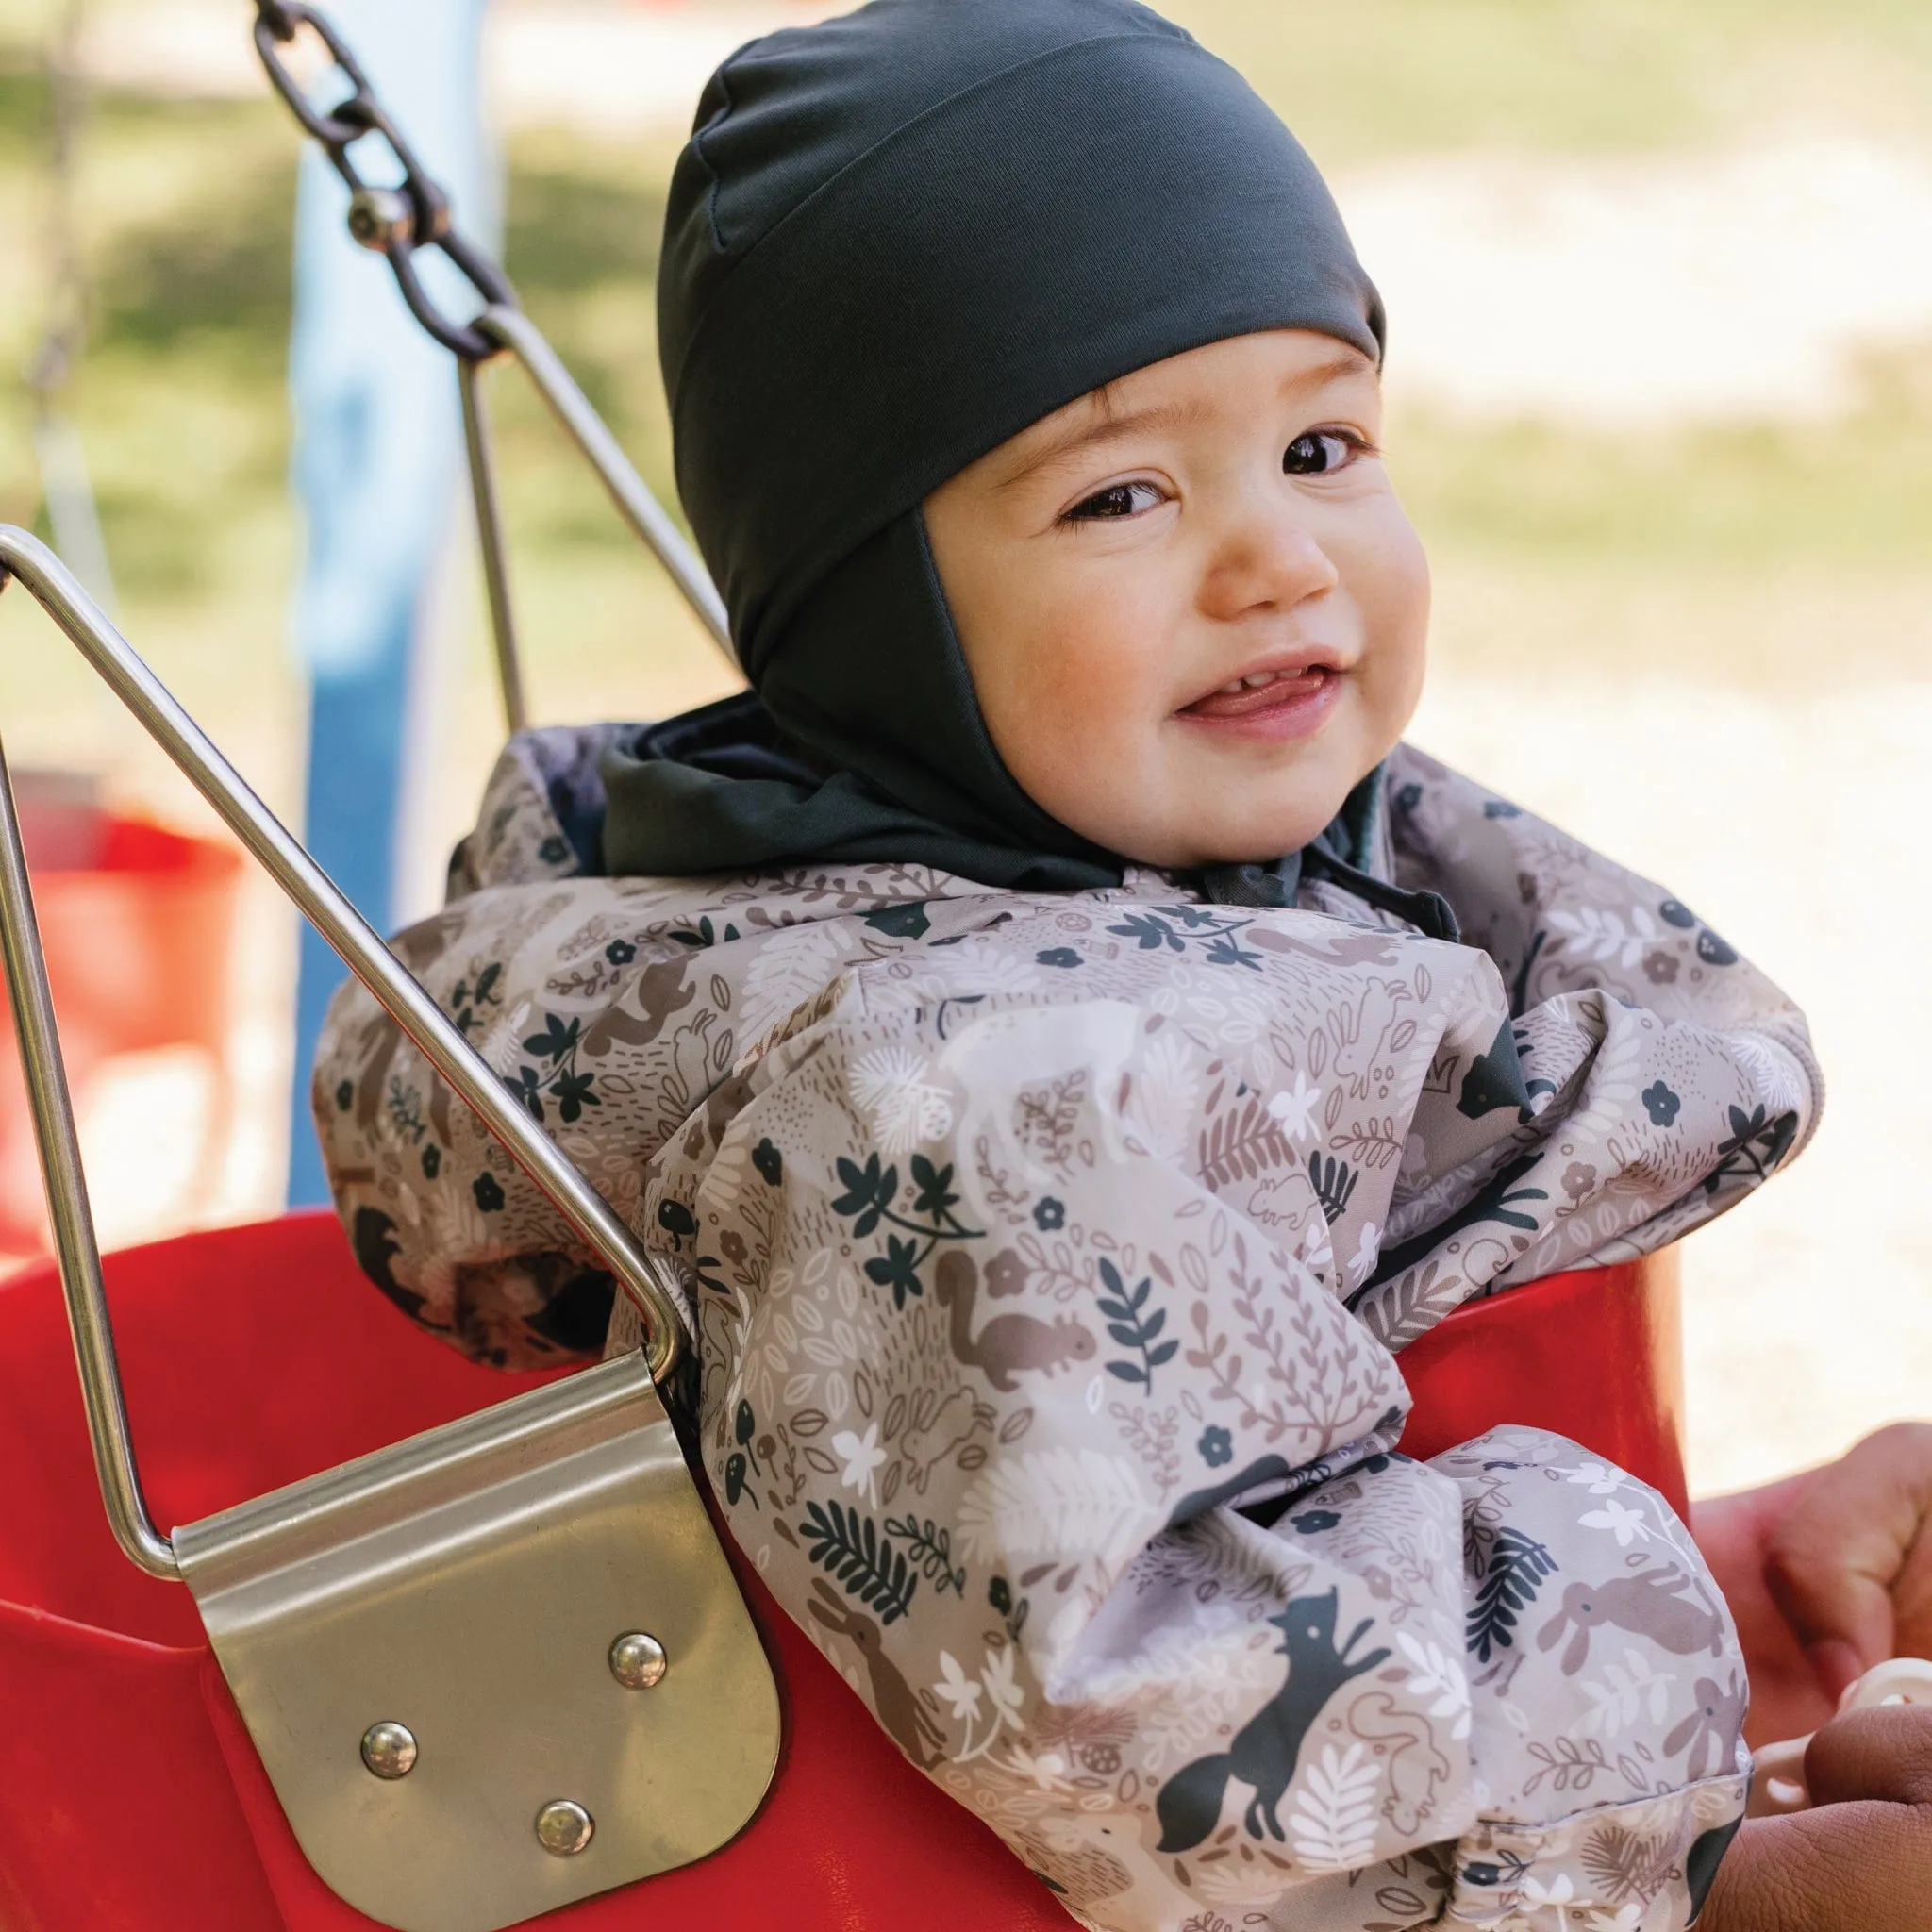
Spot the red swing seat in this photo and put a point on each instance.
(131, 1799)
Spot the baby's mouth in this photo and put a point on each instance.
(1263, 692)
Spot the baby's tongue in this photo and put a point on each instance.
(1243, 703)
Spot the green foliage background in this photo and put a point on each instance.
(1732, 556)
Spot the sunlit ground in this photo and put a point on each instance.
(1661, 377)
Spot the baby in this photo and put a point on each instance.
(1067, 1046)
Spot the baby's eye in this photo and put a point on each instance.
(1319, 451)
(1116, 500)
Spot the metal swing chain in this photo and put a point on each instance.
(398, 222)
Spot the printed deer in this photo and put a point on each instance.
(1266, 1748)
(901, 1715)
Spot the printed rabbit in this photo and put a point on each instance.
(907, 1721)
(1651, 1603)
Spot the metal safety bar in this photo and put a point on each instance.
(404, 999)
(398, 222)
(507, 324)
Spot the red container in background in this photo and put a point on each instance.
(139, 924)
(130, 1795)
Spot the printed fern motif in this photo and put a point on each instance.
(849, 1546)
(1627, 1867)
(1517, 1568)
(1335, 1182)
(1132, 1328)
(1241, 1145)
(1332, 1820)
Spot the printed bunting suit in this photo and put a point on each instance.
(1051, 1259)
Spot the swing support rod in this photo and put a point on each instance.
(404, 999)
(397, 222)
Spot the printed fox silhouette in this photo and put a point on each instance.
(1265, 1748)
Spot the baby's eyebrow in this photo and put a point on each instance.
(1101, 429)
(1065, 446)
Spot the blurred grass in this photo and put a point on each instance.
(1378, 77)
(1733, 553)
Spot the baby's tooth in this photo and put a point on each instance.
(1254, 679)
(1230, 690)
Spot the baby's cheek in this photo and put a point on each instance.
(1390, 583)
(1085, 694)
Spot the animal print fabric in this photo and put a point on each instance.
(1050, 1260)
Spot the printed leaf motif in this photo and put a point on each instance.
(1434, 1674)
(1332, 1820)
(1241, 1145)
(931, 1545)
(1132, 1326)
(1165, 1094)
(849, 1545)
(1627, 1693)
(1602, 935)
(1055, 1503)
(1149, 931)
(1517, 1568)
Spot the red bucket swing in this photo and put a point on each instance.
(492, 1569)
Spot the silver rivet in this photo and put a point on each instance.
(563, 1827)
(389, 1749)
(637, 1660)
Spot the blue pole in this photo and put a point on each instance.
(378, 439)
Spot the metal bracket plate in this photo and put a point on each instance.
(468, 1585)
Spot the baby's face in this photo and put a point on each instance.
(1192, 607)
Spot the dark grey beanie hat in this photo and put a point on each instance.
(893, 241)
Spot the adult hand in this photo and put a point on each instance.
(1827, 1574)
(1860, 1862)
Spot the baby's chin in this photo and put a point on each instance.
(1236, 836)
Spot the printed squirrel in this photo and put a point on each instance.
(1009, 1344)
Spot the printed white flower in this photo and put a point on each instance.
(1559, 1896)
(1439, 1675)
(1048, 1771)
(1599, 1478)
(957, 1689)
(1294, 1113)
(1617, 1918)
(902, 1108)
(1008, 1698)
(1368, 1249)
(861, 1455)
(1625, 1523)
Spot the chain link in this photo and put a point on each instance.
(394, 222)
